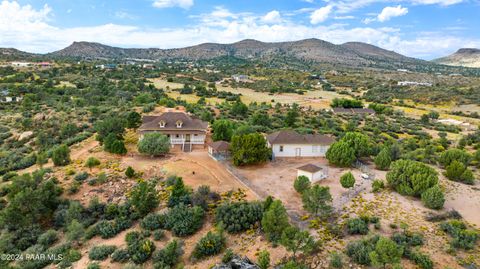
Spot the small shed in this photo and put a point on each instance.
(311, 171)
(219, 150)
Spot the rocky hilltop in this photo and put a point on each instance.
(467, 57)
(310, 50)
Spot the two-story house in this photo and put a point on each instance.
(184, 131)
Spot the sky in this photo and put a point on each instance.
(424, 29)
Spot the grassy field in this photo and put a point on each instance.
(317, 99)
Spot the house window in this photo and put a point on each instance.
(162, 124)
(281, 148)
(195, 135)
(177, 136)
(179, 124)
(314, 148)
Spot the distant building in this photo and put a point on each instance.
(148, 66)
(219, 150)
(352, 111)
(5, 97)
(414, 83)
(184, 130)
(240, 78)
(312, 172)
(20, 64)
(403, 70)
(464, 125)
(44, 64)
(106, 66)
(288, 143)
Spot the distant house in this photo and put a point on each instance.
(5, 97)
(312, 172)
(106, 66)
(184, 131)
(240, 78)
(20, 64)
(219, 150)
(414, 83)
(288, 143)
(352, 111)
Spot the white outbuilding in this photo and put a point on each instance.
(312, 172)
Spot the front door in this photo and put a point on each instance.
(187, 138)
(298, 152)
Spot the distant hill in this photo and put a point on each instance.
(11, 53)
(311, 50)
(466, 57)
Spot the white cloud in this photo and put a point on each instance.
(391, 12)
(320, 15)
(28, 29)
(272, 17)
(185, 4)
(124, 15)
(437, 2)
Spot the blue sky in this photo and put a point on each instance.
(419, 28)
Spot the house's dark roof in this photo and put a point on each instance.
(340, 110)
(152, 123)
(292, 137)
(310, 168)
(220, 145)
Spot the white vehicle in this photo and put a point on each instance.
(365, 176)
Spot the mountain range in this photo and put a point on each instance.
(467, 57)
(351, 54)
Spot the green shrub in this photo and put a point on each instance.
(183, 220)
(347, 180)
(411, 177)
(359, 251)
(92, 162)
(120, 255)
(139, 249)
(447, 157)
(129, 172)
(462, 237)
(48, 238)
(93, 266)
(228, 256)
(81, 176)
(357, 226)
(237, 217)
(336, 260)
(433, 198)
(169, 256)
(209, 245)
(422, 260)
(377, 185)
(301, 184)
(264, 259)
(158, 235)
(100, 253)
(153, 221)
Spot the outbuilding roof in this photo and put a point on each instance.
(220, 146)
(310, 168)
(292, 137)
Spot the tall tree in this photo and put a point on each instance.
(318, 200)
(154, 144)
(275, 220)
(294, 240)
(249, 149)
(222, 130)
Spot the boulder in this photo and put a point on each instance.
(237, 263)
